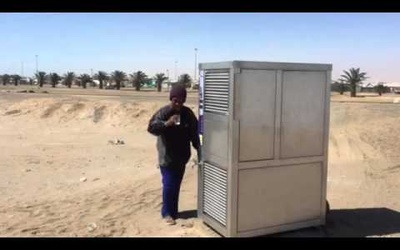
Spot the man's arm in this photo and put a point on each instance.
(157, 124)
(160, 121)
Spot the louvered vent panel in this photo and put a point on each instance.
(216, 91)
(215, 193)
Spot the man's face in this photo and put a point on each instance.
(176, 103)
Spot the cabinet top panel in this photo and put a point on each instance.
(266, 65)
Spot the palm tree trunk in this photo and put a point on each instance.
(118, 85)
(159, 86)
(137, 86)
(353, 90)
(101, 84)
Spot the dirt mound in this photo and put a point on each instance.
(71, 110)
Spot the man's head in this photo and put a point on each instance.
(177, 96)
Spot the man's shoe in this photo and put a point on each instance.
(169, 220)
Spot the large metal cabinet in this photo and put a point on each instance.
(264, 130)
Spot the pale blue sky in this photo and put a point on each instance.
(152, 42)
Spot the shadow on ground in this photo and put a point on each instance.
(359, 222)
(187, 214)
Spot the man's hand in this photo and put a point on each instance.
(196, 162)
(171, 121)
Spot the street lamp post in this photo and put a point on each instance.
(36, 64)
(169, 80)
(195, 65)
(176, 70)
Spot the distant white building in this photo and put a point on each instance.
(368, 85)
(394, 87)
(365, 86)
(96, 82)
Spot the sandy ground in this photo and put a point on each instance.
(63, 174)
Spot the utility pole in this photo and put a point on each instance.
(195, 65)
(37, 71)
(176, 70)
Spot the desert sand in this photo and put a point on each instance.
(79, 164)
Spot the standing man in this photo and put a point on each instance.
(175, 126)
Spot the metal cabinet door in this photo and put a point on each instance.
(303, 110)
(257, 98)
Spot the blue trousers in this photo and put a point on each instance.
(171, 180)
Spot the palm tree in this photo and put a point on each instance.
(160, 78)
(185, 80)
(138, 79)
(118, 77)
(102, 77)
(69, 78)
(354, 77)
(54, 78)
(78, 81)
(380, 88)
(41, 77)
(340, 86)
(5, 79)
(85, 78)
(16, 79)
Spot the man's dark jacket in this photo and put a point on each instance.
(173, 143)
